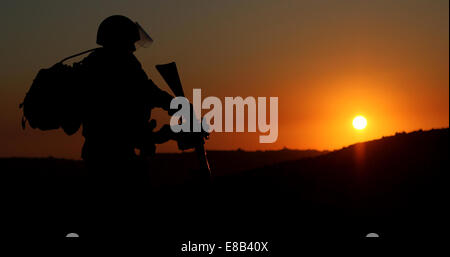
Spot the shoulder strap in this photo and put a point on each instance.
(75, 55)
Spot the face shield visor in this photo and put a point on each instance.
(144, 39)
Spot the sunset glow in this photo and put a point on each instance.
(387, 62)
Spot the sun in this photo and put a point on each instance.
(359, 122)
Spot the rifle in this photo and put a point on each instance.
(196, 140)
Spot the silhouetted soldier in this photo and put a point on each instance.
(117, 101)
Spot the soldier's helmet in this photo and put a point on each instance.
(120, 32)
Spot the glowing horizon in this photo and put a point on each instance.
(326, 62)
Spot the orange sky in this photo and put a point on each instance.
(327, 61)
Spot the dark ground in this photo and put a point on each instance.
(393, 186)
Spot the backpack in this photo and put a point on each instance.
(53, 100)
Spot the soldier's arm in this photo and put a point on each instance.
(159, 98)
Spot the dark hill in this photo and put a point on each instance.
(393, 186)
(167, 168)
(395, 183)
